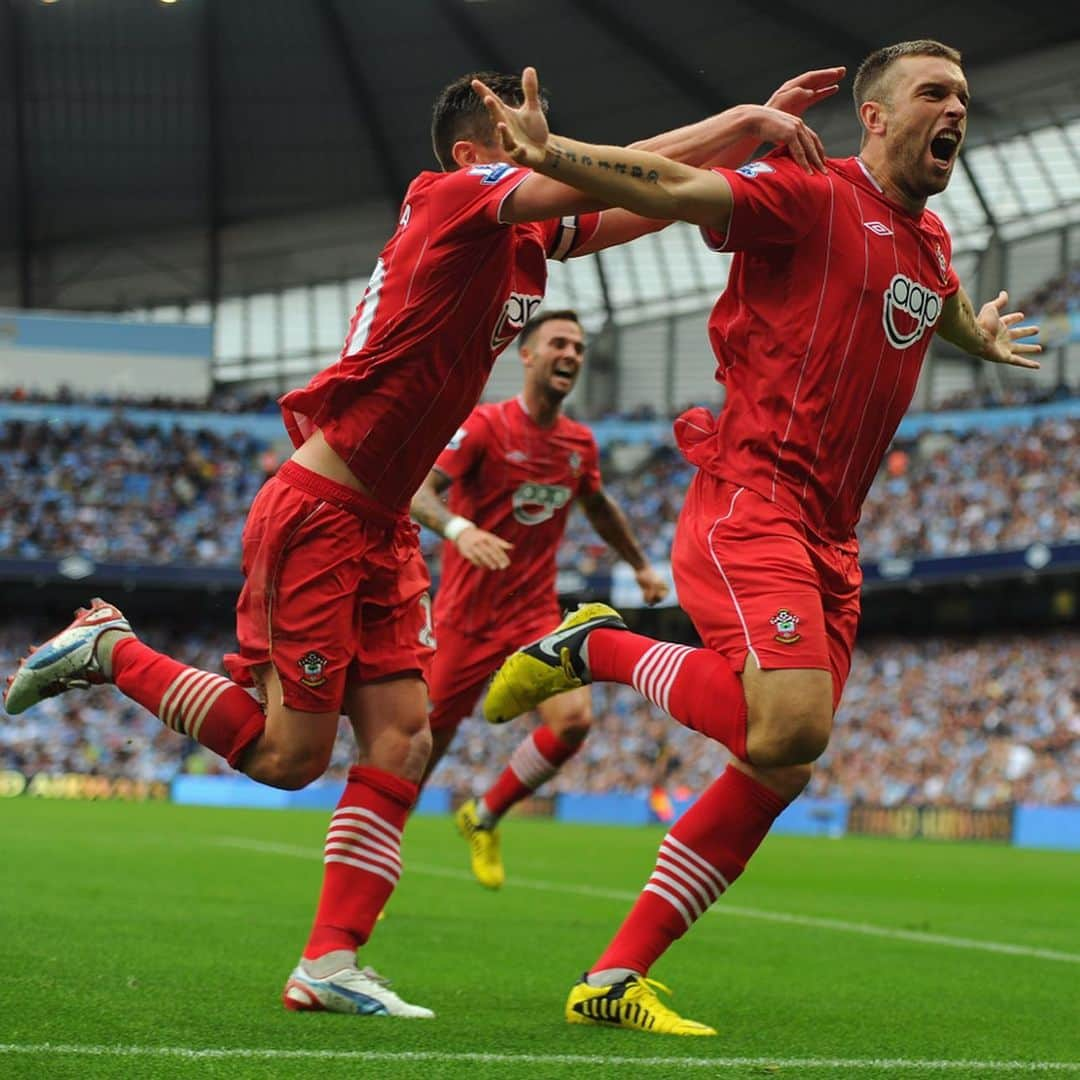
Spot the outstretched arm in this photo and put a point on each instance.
(480, 547)
(614, 529)
(989, 335)
(727, 138)
(646, 183)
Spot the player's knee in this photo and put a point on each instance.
(796, 735)
(402, 746)
(292, 771)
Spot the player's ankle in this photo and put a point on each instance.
(485, 819)
(319, 967)
(103, 649)
(609, 976)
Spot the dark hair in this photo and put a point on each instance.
(459, 112)
(870, 80)
(542, 317)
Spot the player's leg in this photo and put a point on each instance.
(564, 723)
(788, 681)
(386, 701)
(362, 854)
(282, 747)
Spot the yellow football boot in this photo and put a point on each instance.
(549, 666)
(631, 1003)
(484, 855)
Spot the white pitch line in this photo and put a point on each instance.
(721, 908)
(892, 1065)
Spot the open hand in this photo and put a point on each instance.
(523, 131)
(1007, 345)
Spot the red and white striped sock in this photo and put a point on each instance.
(533, 762)
(209, 708)
(697, 687)
(705, 851)
(362, 858)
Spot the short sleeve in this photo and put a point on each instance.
(563, 236)
(775, 203)
(465, 449)
(474, 196)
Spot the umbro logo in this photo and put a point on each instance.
(878, 229)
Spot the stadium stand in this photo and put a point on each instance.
(175, 494)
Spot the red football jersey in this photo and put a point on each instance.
(450, 290)
(820, 334)
(517, 480)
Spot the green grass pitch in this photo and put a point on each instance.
(153, 941)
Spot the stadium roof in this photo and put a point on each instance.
(156, 152)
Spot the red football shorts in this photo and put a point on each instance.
(753, 580)
(335, 588)
(464, 662)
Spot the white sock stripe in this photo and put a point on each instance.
(187, 700)
(697, 906)
(641, 678)
(362, 852)
(361, 865)
(165, 708)
(665, 895)
(706, 866)
(692, 870)
(360, 840)
(194, 697)
(208, 703)
(673, 663)
(656, 671)
(173, 714)
(347, 812)
(705, 890)
(530, 766)
(652, 671)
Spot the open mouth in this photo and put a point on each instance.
(564, 373)
(943, 147)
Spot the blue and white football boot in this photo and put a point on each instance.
(68, 661)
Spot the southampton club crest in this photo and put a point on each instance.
(312, 664)
(786, 623)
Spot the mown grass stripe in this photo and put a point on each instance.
(720, 908)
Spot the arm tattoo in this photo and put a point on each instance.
(558, 154)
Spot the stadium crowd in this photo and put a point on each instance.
(163, 494)
(938, 722)
(126, 493)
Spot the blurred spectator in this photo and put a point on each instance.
(125, 493)
(1057, 296)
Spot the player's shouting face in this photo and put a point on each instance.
(922, 112)
(553, 356)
